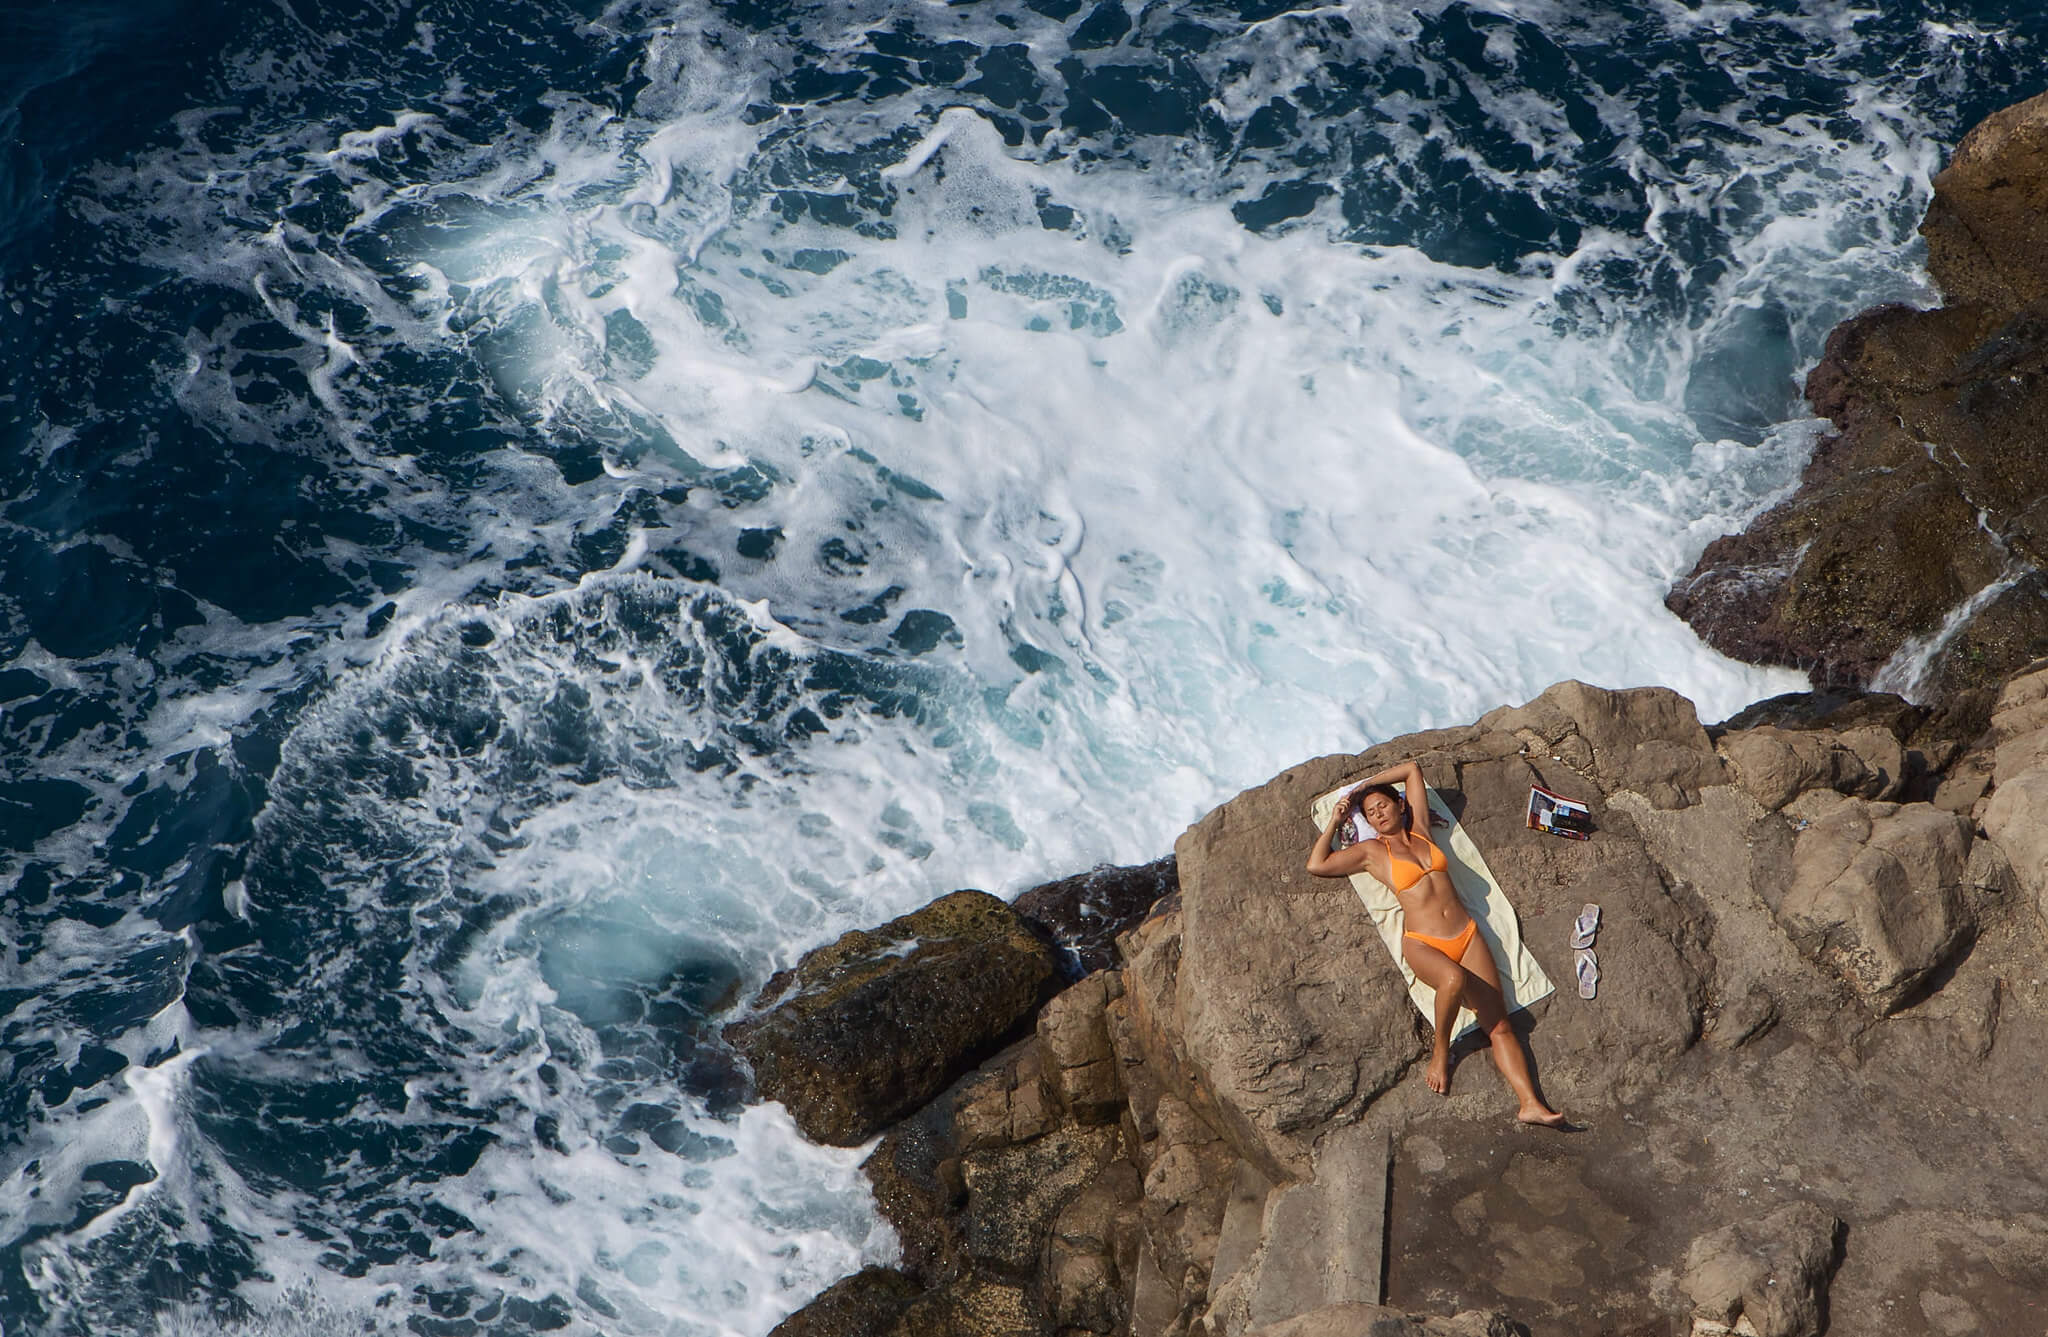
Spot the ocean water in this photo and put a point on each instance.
(521, 518)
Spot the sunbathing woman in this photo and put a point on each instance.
(1442, 943)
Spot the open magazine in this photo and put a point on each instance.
(1559, 815)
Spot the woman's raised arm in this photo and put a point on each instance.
(1407, 774)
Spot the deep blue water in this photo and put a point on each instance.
(516, 518)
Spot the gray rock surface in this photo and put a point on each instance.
(1877, 894)
(1277, 1018)
(1769, 1274)
(1371, 1320)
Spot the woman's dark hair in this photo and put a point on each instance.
(1358, 795)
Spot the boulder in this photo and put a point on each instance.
(1776, 765)
(1073, 1034)
(1770, 1275)
(1645, 739)
(1987, 226)
(2017, 736)
(866, 1030)
(2013, 822)
(1878, 895)
(1294, 1018)
(1091, 1254)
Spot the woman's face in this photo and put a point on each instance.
(1382, 814)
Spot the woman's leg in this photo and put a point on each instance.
(1505, 1045)
(1448, 978)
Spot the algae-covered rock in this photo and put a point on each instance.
(866, 1304)
(975, 1306)
(869, 1028)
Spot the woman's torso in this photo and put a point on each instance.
(1429, 903)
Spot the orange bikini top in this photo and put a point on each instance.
(1436, 864)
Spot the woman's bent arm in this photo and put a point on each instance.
(1326, 862)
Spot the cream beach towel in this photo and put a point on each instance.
(1522, 981)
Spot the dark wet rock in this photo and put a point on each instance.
(866, 1304)
(1835, 710)
(1934, 490)
(1084, 914)
(2010, 630)
(866, 1030)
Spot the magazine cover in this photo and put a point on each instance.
(1559, 815)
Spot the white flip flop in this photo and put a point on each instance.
(1586, 926)
(1588, 968)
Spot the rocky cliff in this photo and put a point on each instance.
(1186, 1099)
(1806, 1097)
(1916, 541)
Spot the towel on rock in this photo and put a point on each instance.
(1522, 981)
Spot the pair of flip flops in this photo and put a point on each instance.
(1584, 929)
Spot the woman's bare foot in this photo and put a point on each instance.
(1438, 1074)
(1541, 1115)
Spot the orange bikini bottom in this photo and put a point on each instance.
(1453, 947)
